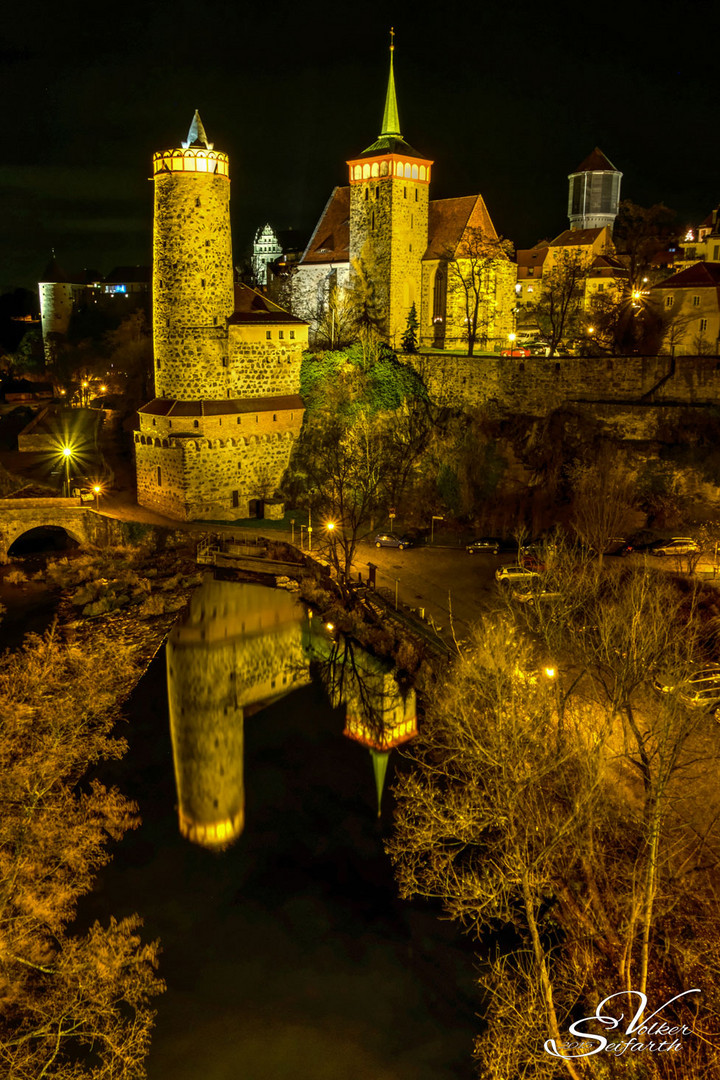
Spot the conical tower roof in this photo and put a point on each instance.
(595, 162)
(196, 135)
(54, 272)
(390, 141)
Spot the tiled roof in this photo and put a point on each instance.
(595, 162)
(449, 218)
(576, 237)
(223, 407)
(698, 276)
(534, 256)
(330, 243)
(251, 307)
(391, 144)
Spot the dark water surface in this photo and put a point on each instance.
(288, 954)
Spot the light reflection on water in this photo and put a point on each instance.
(240, 648)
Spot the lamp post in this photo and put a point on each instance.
(309, 529)
(435, 517)
(97, 489)
(292, 531)
(512, 339)
(67, 454)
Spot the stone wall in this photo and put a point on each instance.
(310, 288)
(537, 385)
(265, 368)
(192, 284)
(211, 480)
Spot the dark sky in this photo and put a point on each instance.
(506, 98)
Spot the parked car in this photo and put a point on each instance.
(678, 545)
(485, 543)
(701, 690)
(508, 574)
(519, 350)
(391, 540)
(617, 545)
(529, 596)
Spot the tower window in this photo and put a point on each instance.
(170, 423)
(197, 201)
(412, 216)
(196, 423)
(207, 243)
(281, 334)
(239, 419)
(268, 335)
(159, 476)
(202, 282)
(411, 247)
(214, 320)
(416, 194)
(154, 422)
(377, 192)
(224, 361)
(167, 322)
(367, 194)
(274, 416)
(404, 193)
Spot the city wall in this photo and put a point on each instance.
(537, 385)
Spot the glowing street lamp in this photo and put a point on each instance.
(67, 454)
(97, 488)
(512, 338)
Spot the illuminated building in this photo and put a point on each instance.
(216, 439)
(386, 219)
(266, 249)
(594, 195)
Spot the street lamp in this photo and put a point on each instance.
(435, 517)
(512, 338)
(97, 488)
(67, 454)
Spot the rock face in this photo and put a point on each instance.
(216, 440)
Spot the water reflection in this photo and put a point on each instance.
(240, 648)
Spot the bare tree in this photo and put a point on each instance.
(472, 268)
(558, 310)
(603, 493)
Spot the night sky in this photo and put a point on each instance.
(506, 98)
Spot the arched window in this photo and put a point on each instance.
(196, 423)
(375, 169)
(422, 172)
(383, 168)
(408, 170)
(440, 294)
(414, 172)
(366, 172)
(358, 172)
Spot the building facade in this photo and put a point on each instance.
(594, 195)
(216, 439)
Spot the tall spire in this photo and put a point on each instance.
(196, 134)
(391, 121)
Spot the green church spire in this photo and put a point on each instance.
(391, 120)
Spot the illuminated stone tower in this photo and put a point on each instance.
(389, 194)
(216, 440)
(192, 269)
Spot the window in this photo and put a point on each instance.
(404, 193)
(292, 335)
(196, 423)
(411, 247)
(207, 243)
(154, 421)
(411, 220)
(668, 301)
(377, 192)
(202, 282)
(197, 201)
(703, 325)
(268, 335)
(600, 287)
(159, 476)
(239, 419)
(372, 223)
(274, 416)
(224, 361)
(439, 294)
(696, 301)
(281, 334)
(367, 194)
(416, 195)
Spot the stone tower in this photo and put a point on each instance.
(192, 269)
(594, 195)
(389, 195)
(215, 441)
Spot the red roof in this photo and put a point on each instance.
(576, 237)
(223, 407)
(252, 307)
(595, 162)
(701, 275)
(449, 218)
(330, 243)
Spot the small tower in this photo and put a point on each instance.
(594, 195)
(389, 195)
(266, 249)
(192, 269)
(57, 298)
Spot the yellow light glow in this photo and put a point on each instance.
(67, 452)
(97, 489)
(329, 626)
(637, 294)
(512, 337)
(591, 329)
(550, 672)
(103, 389)
(330, 526)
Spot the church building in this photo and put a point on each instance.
(430, 253)
(215, 441)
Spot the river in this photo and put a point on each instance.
(260, 863)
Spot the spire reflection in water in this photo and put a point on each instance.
(240, 648)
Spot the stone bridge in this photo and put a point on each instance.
(81, 523)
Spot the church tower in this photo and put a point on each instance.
(192, 269)
(389, 197)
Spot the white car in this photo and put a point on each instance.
(508, 574)
(679, 545)
(701, 689)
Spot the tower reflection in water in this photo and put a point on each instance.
(240, 648)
